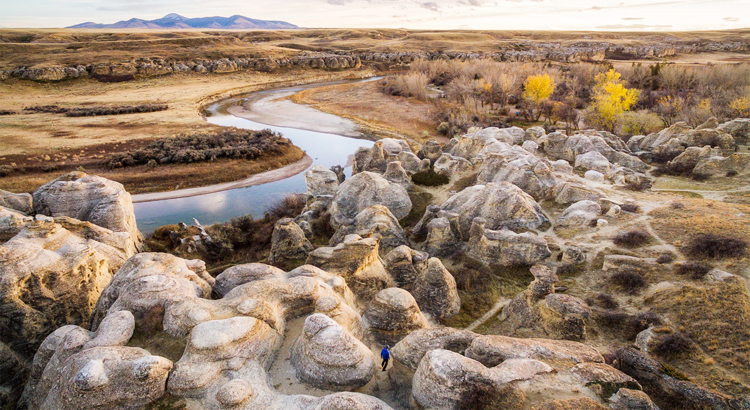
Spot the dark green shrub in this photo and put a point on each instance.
(429, 178)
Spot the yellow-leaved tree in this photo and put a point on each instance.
(611, 99)
(538, 88)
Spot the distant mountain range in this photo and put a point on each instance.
(176, 21)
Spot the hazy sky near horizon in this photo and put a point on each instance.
(651, 15)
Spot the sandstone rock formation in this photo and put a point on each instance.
(357, 261)
(502, 205)
(580, 213)
(11, 223)
(540, 311)
(435, 291)
(89, 198)
(241, 274)
(404, 265)
(374, 220)
(505, 247)
(18, 202)
(326, 356)
(76, 369)
(321, 181)
(366, 189)
(288, 243)
(394, 311)
(522, 169)
(385, 151)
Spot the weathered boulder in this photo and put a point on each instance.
(689, 158)
(502, 205)
(240, 274)
(594, 175)
(492, 350)
(539, 311)
(443, 235)
(411, 349)
(721, 166)
(384, 151)
(446, 380)
(357, 261)
(321, 181)
(593, 160)
(396, 174)
(452, 166)
(534, 133)
(89, 198)
(326, 356)
(522, 169)
(569, 192)
(430, 150)
(580, 213)
(366, 189)
(629, 399)
(52, 275)
(739, 128)
(395, 311)
(375, 219)
(435, 291)
(76, 369)
(505, 247)
(11, 223)
(18, 202)
(605, 379)
(404, 265)
(288, 243)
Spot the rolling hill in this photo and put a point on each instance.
(176, 21)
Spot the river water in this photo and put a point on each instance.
(325, 149)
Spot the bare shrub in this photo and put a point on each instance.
(628, 281)
(695, 270)
(603, 300)
(632, 238)
(716, 246)
(673, 345)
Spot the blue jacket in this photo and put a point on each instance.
(385, 354)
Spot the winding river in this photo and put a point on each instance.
(323, 148)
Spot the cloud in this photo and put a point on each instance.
(338, 2)
(731, 19)
(633, 26)
(475, 2)
(432, 6)
(632, 18)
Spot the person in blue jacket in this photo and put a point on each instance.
(385, 355)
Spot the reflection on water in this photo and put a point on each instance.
(325, 149)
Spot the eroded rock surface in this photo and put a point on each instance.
(364, 190)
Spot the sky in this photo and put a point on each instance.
(651, 15)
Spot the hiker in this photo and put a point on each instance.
(385, 355)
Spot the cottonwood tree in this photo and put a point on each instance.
(537, 88)
(611, 99)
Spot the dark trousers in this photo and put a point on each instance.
(385, 364)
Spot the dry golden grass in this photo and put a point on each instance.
(45, 47)
(141, 179)
(697, 216)
(373, 111)
(717, 318)
(38, 134)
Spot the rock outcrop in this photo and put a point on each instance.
(435, 291)
(374, 220)
(364, 190)
(17, 202)
(326, 356)
(502, 205)
(357, 261)
(579, 214)
(394, 311)
(539, 311)
(92, 199)
(522, 169)
(404, 265)
(288, 244)
(505, 247)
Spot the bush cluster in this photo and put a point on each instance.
(98, 110)
(7, 112)
(716, 246)
(632, 239)
(230, 143)
(429, 178)
(695, 270)
(628, 281)
(673, 345)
